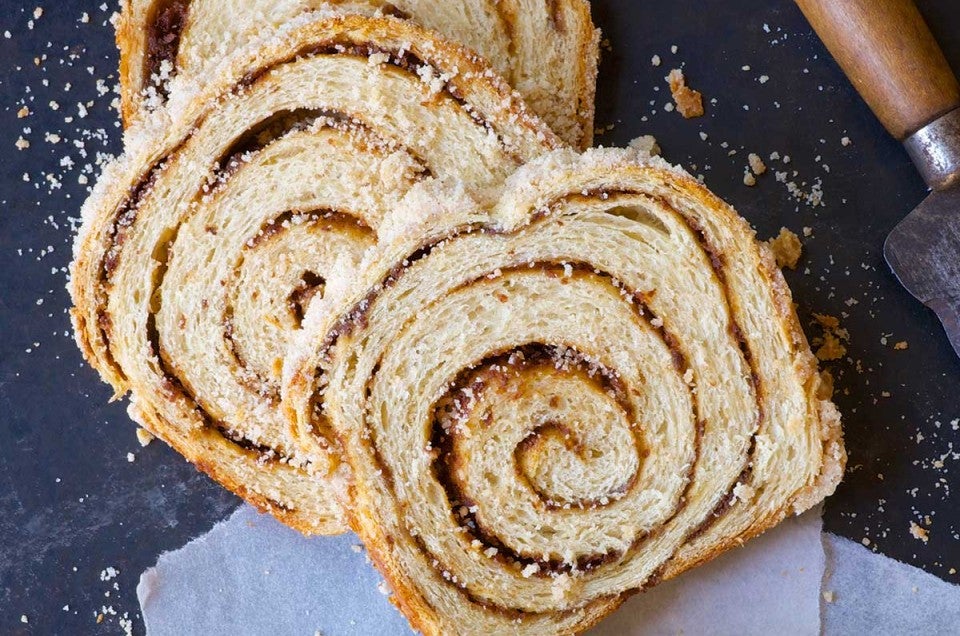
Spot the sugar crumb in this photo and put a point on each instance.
(689, 102)
(918, 532)
(786, 248)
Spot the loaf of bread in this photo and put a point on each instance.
(595, 387)
(203, 244)
(546, 49)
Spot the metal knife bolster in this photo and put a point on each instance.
(935, 149)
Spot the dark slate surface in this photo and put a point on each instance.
(72, 505)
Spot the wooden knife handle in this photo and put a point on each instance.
(889, 54)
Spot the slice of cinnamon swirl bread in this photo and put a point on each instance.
(600, 385)
(203, 244)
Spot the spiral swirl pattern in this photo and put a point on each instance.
(202, 248)
(595, 388)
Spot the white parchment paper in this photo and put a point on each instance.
(251, 575)
(874, 593)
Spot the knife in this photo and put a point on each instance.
(888, 52)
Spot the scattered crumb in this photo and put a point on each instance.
(24, 619)
(828, 596)
(831, 345)
(645, 144)
(845, 141)
(900, 346)
(786, 248)
(749, 179)
(131, 457)
(756, 164)
(918, 532)
(689, 102)
(144, 436)
(655, 60)
(23, 112)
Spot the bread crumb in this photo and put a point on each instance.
(131, 457)
(23, 112)
(900, 346)
(748, 179)
(831, 345)
(831, 349)
(655, 60)
(828, 596)
(144, 436)
(845, 141)
(786, 248)
(689, 102)
(24, 619)
(645, 144)
(21, 143)
(756, 164)
(919, 532)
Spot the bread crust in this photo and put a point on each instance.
(762, 444)
(125, 322)
(547, 49)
